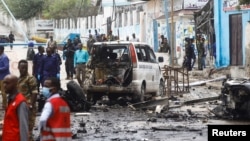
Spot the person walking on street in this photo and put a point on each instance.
(4, 70)
(69, 51)
(27, 85)
(54, 123)
(37, 61)
(11, 39)
(81, 57)
(15, 124)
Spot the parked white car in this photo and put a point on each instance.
(121, 68)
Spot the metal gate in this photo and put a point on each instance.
(235, 39)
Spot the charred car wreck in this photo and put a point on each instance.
(120, 69)
(235, 97)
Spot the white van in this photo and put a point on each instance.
(121, 68)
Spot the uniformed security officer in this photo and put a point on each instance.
(27, 85)
(50, 66)
(201, 50)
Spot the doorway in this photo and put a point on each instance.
(235, 29)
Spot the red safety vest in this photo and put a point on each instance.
(11, 130)
(58, 125)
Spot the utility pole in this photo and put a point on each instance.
(167, 17)
(24, 34)
(172, 34)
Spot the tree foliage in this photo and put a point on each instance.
(242, 2)
(24, 9)
(50, 9)
(67, 8)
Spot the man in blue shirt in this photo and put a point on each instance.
(81, 57)
(49, 66)
(37, 61)
(4, 70)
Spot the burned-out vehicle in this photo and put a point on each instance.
(118, 69)
(235, 97)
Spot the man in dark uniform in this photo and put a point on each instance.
(201, 50)
(69, 51)
(49, 67)
(27, 85)
(189, 53)
(37, 61)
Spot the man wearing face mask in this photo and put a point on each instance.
(54, 123)
(81, 57)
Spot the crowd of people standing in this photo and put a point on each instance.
(20, 93)
(190, 53)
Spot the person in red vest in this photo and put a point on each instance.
(54, 123)
(15, 124)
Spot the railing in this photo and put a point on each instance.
(26, 44)
(177, 80)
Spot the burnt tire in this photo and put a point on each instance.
(139, 97)
(75, 89)
(161, 92)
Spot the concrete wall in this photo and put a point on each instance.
(222, 29)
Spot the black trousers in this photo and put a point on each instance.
(69, 66)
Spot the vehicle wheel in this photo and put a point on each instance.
(76, 90)
(143, 91)
(161, 92)
(139, 96)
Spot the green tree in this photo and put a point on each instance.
(24, 9)
(244, 2)
(60, 9)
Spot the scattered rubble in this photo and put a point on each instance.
(182, 116)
